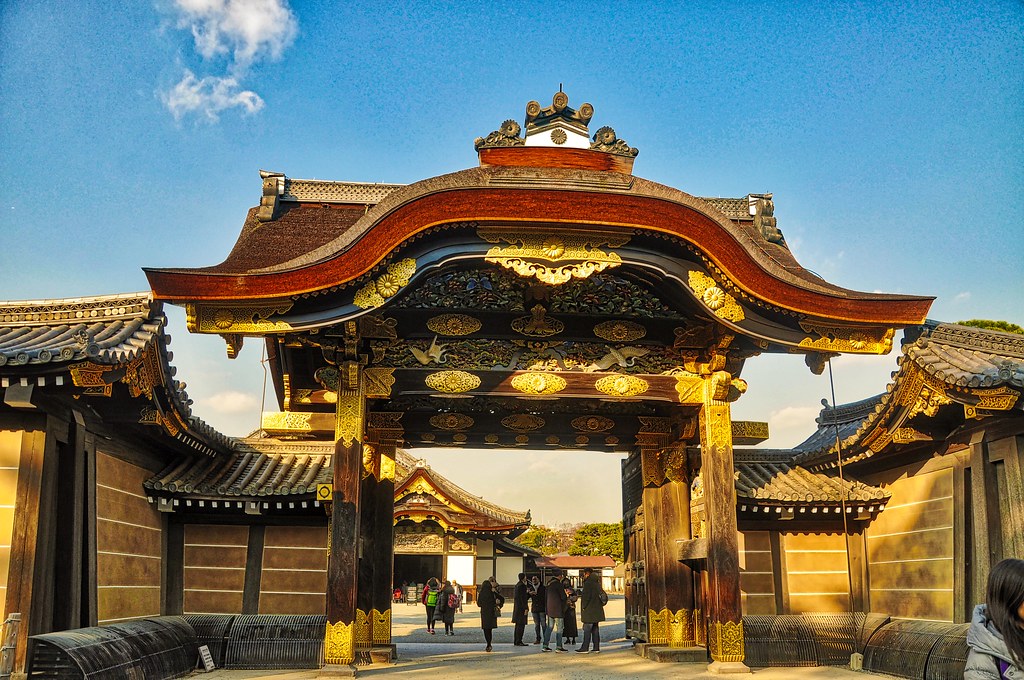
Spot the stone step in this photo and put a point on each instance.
(663, 654)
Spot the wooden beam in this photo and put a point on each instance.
(253, 569)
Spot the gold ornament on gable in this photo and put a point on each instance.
(538, 383)
(452, 421)
(833, 338)
(379, 382)
(553, 258)
(619, 331)
(538, 324)
(452, 382)
(707, 290)
(376, 292)
(454, 324)
(592, 423)
(208, 318)
(522, 422)
(622, 385)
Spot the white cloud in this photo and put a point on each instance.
(247, 30)
(230, 402)
(962, 297)
(242, 31)
(209, 96)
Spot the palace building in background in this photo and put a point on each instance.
(546, 299)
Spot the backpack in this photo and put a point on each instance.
(431, 598)
(453, 601)
(602, 597)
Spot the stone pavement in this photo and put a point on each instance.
(438, 656)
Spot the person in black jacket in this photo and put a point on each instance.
(489, 601)
(538, 600)
(591, 611)
(520, 610)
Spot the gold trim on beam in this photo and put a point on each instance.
(223, 320)
(707, 290)
(553, 258)
(622, 385)
(834, 338)
(339, 643)
(538, 383)
(452, 382)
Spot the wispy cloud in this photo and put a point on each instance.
(209, 96)
(962, 297)
(239, 32)
(230, 402)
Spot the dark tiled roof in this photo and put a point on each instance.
(271, 467)
(785, 483)
(575, 562)
(267, 244)
(109, 330)
(45, 335)
(962, 357)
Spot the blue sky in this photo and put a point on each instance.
(889, 132)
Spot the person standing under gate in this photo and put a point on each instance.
(995, 640)
(460, 592)
(554, 605)
(430, 595)
(490, 603)
(537, 604)
(591, 611)
(447, 603)
(520, 610)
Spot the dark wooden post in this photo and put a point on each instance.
(652, 437)
(725, 616)
(388, 434)
(342, 566)
(675, 503)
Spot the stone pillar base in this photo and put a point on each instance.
(337, 670)
(723, 667)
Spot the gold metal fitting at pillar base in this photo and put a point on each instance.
(726, 641)
(339, 643)
(672, 628)
(362, 635)
(381, 624)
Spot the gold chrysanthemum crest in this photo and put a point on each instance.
(538, 383)
(619, 331)
(454, 324)
(717, 300)
(622, 385)
(452, 382)
(387, 284)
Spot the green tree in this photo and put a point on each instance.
(989, 325)
(598, 539)
(542, 539)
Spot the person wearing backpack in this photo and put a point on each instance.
(447, 604)
(429, 599)
(591, 611)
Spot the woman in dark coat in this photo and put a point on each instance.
(591, 611)
(520, 610)
(569, 628)
(445, 612)
(488, 601)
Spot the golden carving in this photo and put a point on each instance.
(674, 463)
(350, 412)
(376, 292)
(379, 382)
(592, 423)
(622, 385)
(624, 357)
(522, 422)
(381, 625)
(339, 643)
(619, 331)
(538, 383)
(717, 300)
(362, 635)
(650, 467)
(223, 320)
(454, 324)
(522, 439)
(369, 466)
(538, 324)
(996, 399)
(749, 429)
(452, 421)
(908, 435)
(690, 388)
(491, 438)
(452, 382)
(553, 258)
(928, 402)
(141, 375)
(287, 420)
(832, 338)
(657, 626)
(726, 643)
(387, 467)
(433, 353)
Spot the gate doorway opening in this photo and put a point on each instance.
(416, 569)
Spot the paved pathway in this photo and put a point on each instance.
(439, 657)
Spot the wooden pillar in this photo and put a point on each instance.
(367, 524)
(654, 548)
(388, 434)
(725, 616)
(675, 503)
(985, 535)
(342, 566)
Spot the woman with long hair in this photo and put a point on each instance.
(430, 596)
(490, 602)
(996, 637)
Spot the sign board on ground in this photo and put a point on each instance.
(205, 659)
